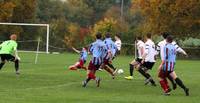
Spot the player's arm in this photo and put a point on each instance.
(180, 50)
(76, 50)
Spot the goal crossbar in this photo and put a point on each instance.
(31, 24)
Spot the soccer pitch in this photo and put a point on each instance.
(50, 82)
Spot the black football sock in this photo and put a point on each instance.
(131, 69)
(147, 76)
(111, 66)
(180, 83)
(17, 65)
(1, 65)
(87, 80)
(172, 81)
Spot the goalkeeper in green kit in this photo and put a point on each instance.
(8, 52)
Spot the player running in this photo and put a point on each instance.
(97, 49)
(118, 42)
(166, 68)
(111, 51)
(7, 48)
(160, 49)
(148, 60)
(140, 48)
(82, 60)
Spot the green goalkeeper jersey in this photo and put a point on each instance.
(8, 47)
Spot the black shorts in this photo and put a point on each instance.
(7, 57)
(138, 60)
(148, 65)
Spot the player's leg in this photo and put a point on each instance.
(74, 67)
(90, 74)
(131, 69)
(110, 71)
(163, 82)
(172, 82)
(16, 61)
(180, 83)
(3, 60)
(143, 70)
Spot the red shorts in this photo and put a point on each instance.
(80, 64)
(164, 74)
(91, 66)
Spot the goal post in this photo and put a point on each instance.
(31, 24)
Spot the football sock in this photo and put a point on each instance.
(172, 81)
(143, 73)
(180, 83)
(111, 66)
(87, 80)
(131, 69)
(17, 65)
(163, 85)
(166, 83)
(1, 65)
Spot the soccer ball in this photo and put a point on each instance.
(120, 71)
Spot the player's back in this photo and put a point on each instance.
(84, 54)
(150, 51)
(169, 57)
(97, 48)
(110, 45)
(7, 47)
(140, 48)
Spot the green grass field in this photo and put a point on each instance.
(49, 82)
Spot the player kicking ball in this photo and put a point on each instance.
(7, 49)
(82, 60)
(166, 68)
(135, 63)
(97, 49)
(109, 55)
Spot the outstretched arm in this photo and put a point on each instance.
(76, 50)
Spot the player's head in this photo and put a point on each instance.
(165, 35)
(108, 35)
(13, 37)
(98, 35)
(138, 38)
(117, 36)
(169, 39)
(148, 36)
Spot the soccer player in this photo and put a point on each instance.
(7, 49)
(140, 48)
(160, 48)
(112, 49)
(97, 49)
(82, 60)
(148, 60)
(166, 68)
(118, 42)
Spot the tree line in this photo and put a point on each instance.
(74, 22)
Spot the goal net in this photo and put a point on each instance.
(33, 38)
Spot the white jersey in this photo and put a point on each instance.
(140, 48)
(150, 51)
(119, 44)
(160, 47)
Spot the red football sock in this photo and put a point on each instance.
(163, 85)
(166, 83)
(92, 76)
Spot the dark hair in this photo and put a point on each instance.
(139, 38)
(165, 35)
(169, 39)
(108, 35)
(148, 35)
(98, 35)
(118, 35)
